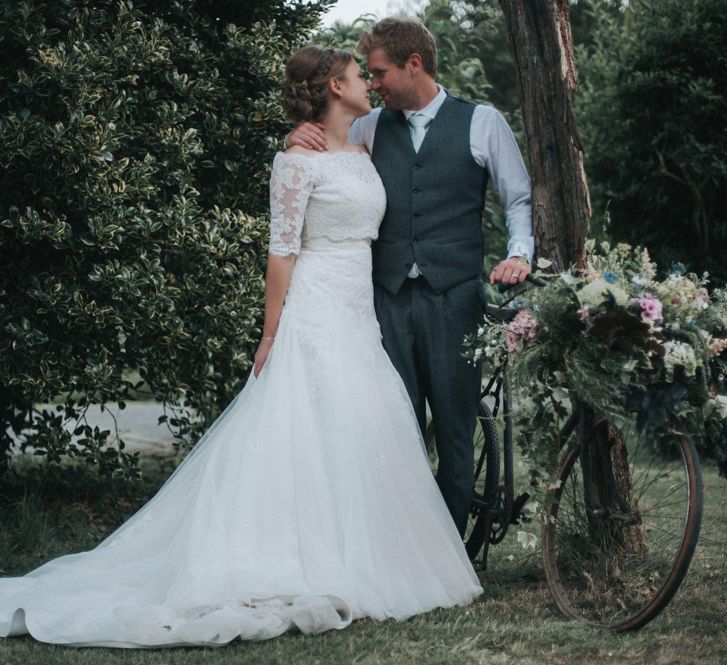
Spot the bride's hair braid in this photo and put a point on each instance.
(305, 86)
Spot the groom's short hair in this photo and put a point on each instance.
(400, 37)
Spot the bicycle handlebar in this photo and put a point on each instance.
(535, 281)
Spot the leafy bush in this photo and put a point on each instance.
(136, 140)
(651, 111)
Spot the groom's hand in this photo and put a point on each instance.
(510, 271)
(308, 135)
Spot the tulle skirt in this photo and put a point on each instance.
(307, 504)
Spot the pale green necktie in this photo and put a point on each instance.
(418, 128)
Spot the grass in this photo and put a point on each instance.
(67, 509)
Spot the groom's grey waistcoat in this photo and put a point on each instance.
(434, 199)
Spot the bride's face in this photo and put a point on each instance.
(354, 90)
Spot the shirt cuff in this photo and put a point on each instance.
(524, 247)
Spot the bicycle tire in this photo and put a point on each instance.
(487, 482)
(604, 582)
(492, 464)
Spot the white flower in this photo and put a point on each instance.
(597, 292)
(648, 269)
(478, 354)
(527, 540)
(679, 354)
(480, 332)
(720, 403)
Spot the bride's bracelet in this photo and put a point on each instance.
(264, 338)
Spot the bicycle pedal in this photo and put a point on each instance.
(517, 505)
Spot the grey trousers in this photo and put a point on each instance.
(423, 334)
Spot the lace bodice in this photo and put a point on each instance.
(322, 198)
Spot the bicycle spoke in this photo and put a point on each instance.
(606, 568)
(651, 511)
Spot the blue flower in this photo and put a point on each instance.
(678, 268)
(610, 276)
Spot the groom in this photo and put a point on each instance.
(435, 154)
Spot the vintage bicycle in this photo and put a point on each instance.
(620, 524)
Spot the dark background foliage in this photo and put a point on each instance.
(652, 112)
(135, 141)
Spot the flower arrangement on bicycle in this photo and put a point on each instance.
(629, 344)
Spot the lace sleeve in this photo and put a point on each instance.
(291, 183)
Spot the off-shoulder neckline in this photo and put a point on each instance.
(313, 154)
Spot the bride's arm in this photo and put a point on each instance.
(291, 183)
(277, 280)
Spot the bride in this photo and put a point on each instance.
(309, 501)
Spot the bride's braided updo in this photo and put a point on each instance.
(305, 86)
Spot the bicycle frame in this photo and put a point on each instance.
(502, 508)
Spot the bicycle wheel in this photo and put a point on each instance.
(487, 480)
(487, 475)
(614, 557)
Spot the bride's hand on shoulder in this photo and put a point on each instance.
(261, 355)
(308, 135)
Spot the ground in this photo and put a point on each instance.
(514, 622)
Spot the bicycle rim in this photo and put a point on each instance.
(618, 566)
(486, 482)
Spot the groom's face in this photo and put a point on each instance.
(396, 85)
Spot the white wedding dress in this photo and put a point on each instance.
(308, 503)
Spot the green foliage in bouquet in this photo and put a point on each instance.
(631, 346)
(136, 140)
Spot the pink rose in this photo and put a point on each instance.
(523, 328)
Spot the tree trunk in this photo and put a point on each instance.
(542, 46)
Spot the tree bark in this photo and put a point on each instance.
(542, 46)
